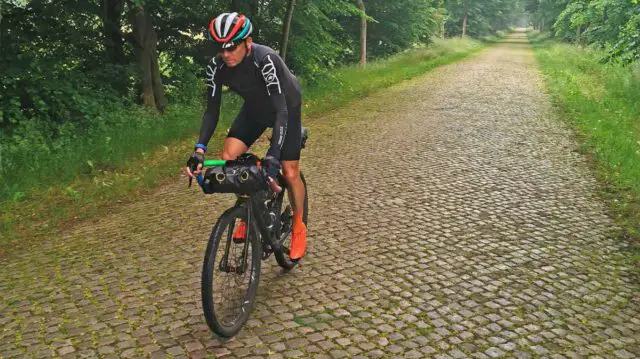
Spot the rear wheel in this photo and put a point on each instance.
(230, 274)
(284, 206)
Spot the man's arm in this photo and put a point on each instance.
(272, 68)
(212, 113)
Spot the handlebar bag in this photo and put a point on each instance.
(242, 176)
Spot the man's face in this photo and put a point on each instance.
(234, 55)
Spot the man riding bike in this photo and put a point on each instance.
(272, 98)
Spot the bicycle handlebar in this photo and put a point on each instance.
(217, 163)
(213, 163)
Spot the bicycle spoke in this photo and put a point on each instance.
(231, 280)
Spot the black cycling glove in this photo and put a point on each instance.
(195, 159)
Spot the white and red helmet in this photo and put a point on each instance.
(230, 28)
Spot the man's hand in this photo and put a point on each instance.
(272, 166)
(194, 164)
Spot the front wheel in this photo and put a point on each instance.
(284, 206)
(230, 274)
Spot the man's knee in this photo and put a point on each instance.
(228, 156)
(233, 148)
(291, 170)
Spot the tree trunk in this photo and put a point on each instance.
(1, 28)
(254, 14)
(442, 31)
(578, 32)
(285, 29)
(112, 12)
(144, 34)
(259, 11)
(464, 23)
(363, 33)
(156, 77)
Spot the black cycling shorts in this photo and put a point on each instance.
(248, 130)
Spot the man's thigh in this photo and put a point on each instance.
(242, 134)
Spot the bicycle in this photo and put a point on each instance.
(268, 217)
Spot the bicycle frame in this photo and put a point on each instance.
(256, 211)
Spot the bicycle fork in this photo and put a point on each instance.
(241, 262)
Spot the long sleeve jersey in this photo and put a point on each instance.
(265, 83)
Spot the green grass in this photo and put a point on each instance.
(112, 165)
(602, 102)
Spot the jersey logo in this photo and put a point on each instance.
(211, 73)
(281, 138)
(270, 76)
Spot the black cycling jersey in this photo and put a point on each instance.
(265, 83)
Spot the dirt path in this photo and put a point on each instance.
(450, 217)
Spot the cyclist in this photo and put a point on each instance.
(272, 98)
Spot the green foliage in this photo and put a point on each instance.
(400, 25)
(484, 17)
(627, 48)
(610, 25)
(318, 41)
(573, 16)
(182, 80)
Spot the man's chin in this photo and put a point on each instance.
(231, 64)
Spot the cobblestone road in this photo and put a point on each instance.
(451, 217)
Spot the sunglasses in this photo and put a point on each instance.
(229, 48)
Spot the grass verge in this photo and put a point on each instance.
(602, 101)
(151, 155)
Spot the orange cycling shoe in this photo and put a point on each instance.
(298, 240)
(240, 232)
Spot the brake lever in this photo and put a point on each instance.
(191, 176)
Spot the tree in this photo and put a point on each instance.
(146, 41)
(1, 29)
(363, 33)
(441, 17)
(464, 21)
(111, 19)
(611, 25)
(398, 25)
(285, 29)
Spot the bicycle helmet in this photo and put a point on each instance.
(228, 28)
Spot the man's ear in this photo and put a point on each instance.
(249, 42)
